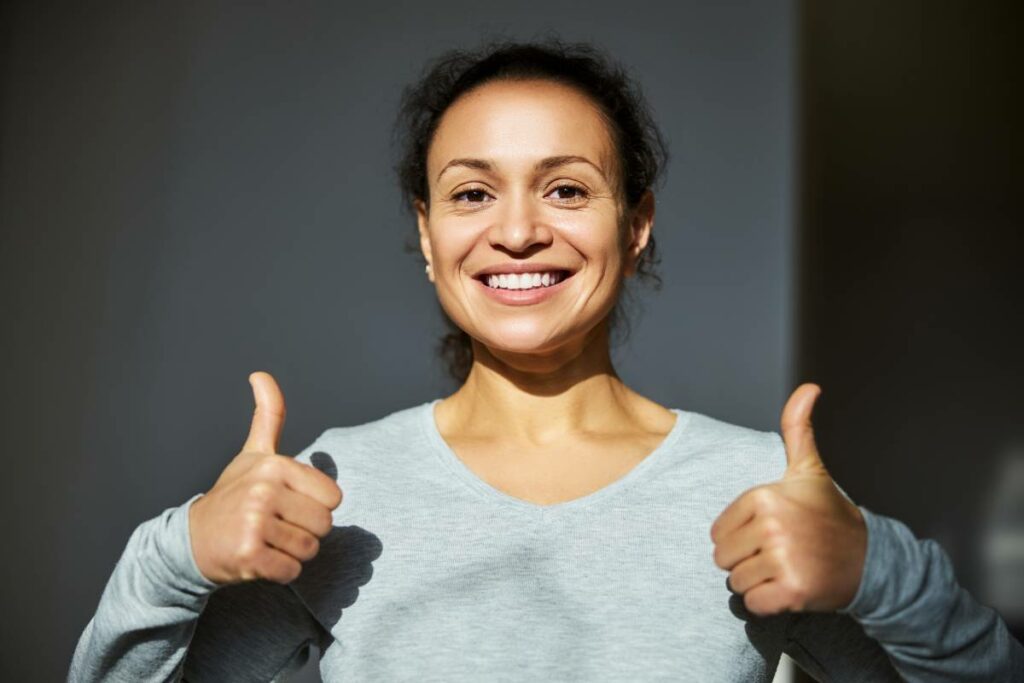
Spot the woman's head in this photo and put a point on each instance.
(537, 155)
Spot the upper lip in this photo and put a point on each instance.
(521, 267)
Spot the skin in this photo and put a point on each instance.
(543, 415)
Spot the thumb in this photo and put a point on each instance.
(801, 451)
(268, 418)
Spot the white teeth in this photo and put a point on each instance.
(523, 280)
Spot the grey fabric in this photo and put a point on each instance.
(431, 574)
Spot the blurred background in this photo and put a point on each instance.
(193, 191)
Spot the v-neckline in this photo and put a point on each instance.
(446, 454)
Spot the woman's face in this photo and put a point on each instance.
(526, 236)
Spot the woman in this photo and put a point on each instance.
(544, 521)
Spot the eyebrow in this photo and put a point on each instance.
(545, 164)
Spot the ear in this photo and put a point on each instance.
(424, 228)
(641, 222)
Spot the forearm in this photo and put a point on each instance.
(149, 608)
(931, 627)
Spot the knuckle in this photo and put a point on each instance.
(248, 553)
(795, 593)
(324, 522)
(252, 521)
(261, 492)
(719, 557)
(255, 527)
(763, 500)
(771, 527)
(779, 556)
(270, 467)
(288, 571)
(264, 528)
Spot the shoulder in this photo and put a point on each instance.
(711, 430)
(729, 457)
(398, 432)
(395, 425)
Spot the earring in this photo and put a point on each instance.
(427, 269)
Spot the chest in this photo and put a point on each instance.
(630, 595)
(554, 474)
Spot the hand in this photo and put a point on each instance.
(797, 544)
(265, 514)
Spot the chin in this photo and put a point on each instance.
(526, 338)
(518, 338)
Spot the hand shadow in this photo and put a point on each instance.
(766, 633)
(330, 581)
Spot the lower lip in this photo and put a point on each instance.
(523, 297)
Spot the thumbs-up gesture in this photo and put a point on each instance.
(797, 544)
(266, 513)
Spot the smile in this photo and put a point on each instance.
(524, 280)
(523, 289)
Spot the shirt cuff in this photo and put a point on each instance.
(176, 549)
(884, 544)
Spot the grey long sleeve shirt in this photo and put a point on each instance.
(431, 574)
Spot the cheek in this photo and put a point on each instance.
(596, 237)
(452, 242)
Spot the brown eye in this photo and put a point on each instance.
(569, 193)
(474, 196)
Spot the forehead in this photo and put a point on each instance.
(518, 122)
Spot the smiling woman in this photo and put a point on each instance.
(565, 98)
(544, 521)
(525, 199)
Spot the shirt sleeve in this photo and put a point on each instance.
(928, 627)
(160, 619)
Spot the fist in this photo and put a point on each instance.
(266, 513)
(797, 544)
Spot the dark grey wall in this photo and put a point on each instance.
(190, 192)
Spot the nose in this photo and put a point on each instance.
(518, 226)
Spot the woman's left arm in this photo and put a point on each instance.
(929, 625)
(801, 545)
(908, 609)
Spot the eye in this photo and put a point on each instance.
(565, 194)
(570, 194)
(472, 195)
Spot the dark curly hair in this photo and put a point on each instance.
(641, 151)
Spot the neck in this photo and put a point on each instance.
(540, 398)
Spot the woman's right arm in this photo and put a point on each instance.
(159, 618)
(209, 578)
